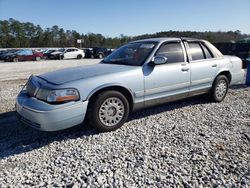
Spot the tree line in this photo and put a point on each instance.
(16, 34)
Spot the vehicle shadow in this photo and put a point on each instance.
(240, 86)
(17, 138)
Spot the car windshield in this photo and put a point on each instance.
(61, 50)
(133, 54)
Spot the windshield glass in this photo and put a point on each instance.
(61, 50)
(131, 54)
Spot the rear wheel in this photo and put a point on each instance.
(38, 58)
(108, 111)
(79, 56)
(219, 89)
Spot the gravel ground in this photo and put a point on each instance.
(190, 143)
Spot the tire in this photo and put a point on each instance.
(61, 57)
(38, 58)
(219, 89)
(100, 56)
(108, 111)
(15, 59)
(79, 56)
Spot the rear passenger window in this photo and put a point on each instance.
(206, 51)
(172, 51)
(195, 51)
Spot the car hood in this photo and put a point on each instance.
(71, 74)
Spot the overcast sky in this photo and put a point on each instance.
(131, 17)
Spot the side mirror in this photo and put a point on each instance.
(159, 60)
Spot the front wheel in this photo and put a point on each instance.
(108, 111)
(15, 59)
(219, 89)
(100, 56)
(61, 57)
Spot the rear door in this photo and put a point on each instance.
(204, 66)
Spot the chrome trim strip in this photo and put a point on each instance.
(201, 81)
(166, 88)
(139, 93)
(63, 108)
(163, 100)
(209, 59)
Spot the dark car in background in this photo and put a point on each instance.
(46, 54)
(88, 52)
(5, 53)
(23, 55)
(101, 52)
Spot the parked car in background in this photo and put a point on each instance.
(100, 53)
(88, 52)
(47, 53)
(6, 53)
(24, 55)
(137, 75)
(2, 52)
(67, 53)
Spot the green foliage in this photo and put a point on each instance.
(15, 34)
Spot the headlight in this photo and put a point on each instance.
(63, 95)
(58, 96)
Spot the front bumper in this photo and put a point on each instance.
(47, 117)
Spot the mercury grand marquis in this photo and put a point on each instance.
(137, 75)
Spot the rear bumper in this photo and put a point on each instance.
(238, 78)
(47, 117)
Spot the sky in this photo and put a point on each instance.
(131, 17)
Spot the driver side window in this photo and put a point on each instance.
(172, 51)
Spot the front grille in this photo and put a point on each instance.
(31, 88)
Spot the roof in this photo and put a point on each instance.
(164, 39)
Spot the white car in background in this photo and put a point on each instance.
(67, 53)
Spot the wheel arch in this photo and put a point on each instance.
(116, 87)
(226, 73)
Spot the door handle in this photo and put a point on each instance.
(214, 65)
(184, 69)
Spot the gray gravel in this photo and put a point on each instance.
(190, 143)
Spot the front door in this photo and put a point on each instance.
(169, 81)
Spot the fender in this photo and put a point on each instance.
(111, 85)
